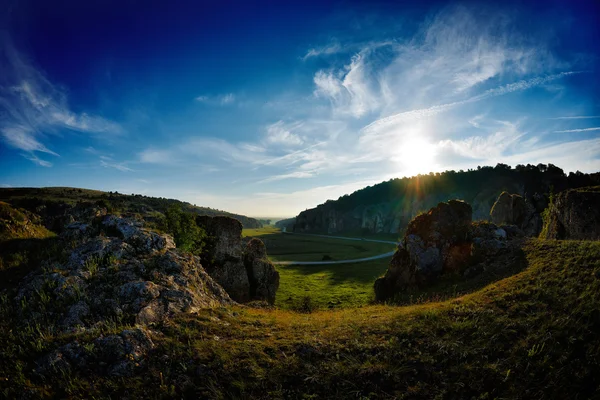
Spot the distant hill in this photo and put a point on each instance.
(52, 197)
(388, 206)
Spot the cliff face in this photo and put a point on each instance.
(574, 214)
(389, 206)
(384, 217)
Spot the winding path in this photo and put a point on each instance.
(356, 260)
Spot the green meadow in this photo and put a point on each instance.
(308, 287)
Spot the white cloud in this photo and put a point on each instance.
(153, 156)
(597, 128)
(35, 159)
(33, 108)
(487, 147)
(23, 139)
(578, 117)
(332, 48)
(281, 133)
(297, 174)
(106, 162)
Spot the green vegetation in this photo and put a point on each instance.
(182, 225)
(52, 198)
(294, 247)
(328, 286)
(531, 335)
(323, 286)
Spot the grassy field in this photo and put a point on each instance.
(306, 287)
(530, 335)
(290, 247)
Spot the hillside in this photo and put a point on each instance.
(387, 207)
(53, 198)
(532, 335)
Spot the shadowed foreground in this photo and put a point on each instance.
(532, 335)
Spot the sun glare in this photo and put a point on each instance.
(417, 156)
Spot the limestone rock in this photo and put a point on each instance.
(226, 233)
(435, 242)
(263, 278)
(134, 275)
(245, 273)
(575, 214)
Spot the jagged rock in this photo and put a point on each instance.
(142, 240)
(144, 280)
(264, 279)
(435, 242)
(574, 214)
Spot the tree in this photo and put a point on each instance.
(182, 225)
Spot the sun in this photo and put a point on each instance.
(417, 156)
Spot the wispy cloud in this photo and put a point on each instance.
(35, 159)
(221, 100)
(578, 117)
(597, 128)
(434, 110)
(297, 174)
(329, 49)
(108, 163)
(34, 108)
(281, 133)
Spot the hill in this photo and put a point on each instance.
(53, 200)
(389, 206)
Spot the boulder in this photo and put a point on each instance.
(435, 242)
(574, 214)
(263, 278)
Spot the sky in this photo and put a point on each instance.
(270, 108)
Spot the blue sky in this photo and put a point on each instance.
(267, 109)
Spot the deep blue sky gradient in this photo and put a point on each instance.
(221, 103)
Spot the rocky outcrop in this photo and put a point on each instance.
(514, 209)
(245, 273)
(263, 278)
(118, 269)
(574, 214)
(434, 243)
(440, 242)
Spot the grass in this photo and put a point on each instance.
(291, 247)
(322, 286)
(530, 335)
(328, 286)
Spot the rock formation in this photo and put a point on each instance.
(263, 278)
(433, 244)
(574, 214)
(246, 274)
(514, 209)
(439, 242)
(119, 269)
(508, 209)
(113, 269)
